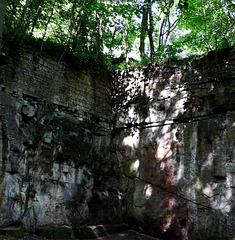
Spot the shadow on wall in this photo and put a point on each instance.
(177, 148)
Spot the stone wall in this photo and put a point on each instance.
(54, 126)
(175, 136)
(152, 147)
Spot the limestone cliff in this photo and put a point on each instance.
(175, 139)
(55, 127)
(152, 146)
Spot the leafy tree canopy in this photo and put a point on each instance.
(145, 30)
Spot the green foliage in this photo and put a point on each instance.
(84, 32)
(74, 60)
(211, 24)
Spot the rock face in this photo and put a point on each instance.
(175, 140)
(151, 146)
(55, 127)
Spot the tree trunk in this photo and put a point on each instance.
(150, 30)
(77, 25)
(28, 17)
(126, 36)
(71, 27)
(143, 32)
(100, 32)
(20, 23)
(113, 37)
(36, 14)
(164, 33)
(161, 34)
(2, 14)
(39, 10)
(49, 19)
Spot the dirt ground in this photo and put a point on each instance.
(126, 235)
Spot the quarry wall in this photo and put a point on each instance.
(176, 136)
(151, 146)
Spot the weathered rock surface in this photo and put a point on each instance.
(175, 143)
(152, 147)
(55, 127)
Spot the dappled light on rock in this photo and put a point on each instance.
(185, 149)
(84, 151)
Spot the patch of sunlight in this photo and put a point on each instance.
(162, 166)
(208, 190)
(163, 150)
(222, 203)
(153, 116)
(151, 89)
(134, 168)
(132, 140)
(164, 145)
(148, 191)
(167, 222)
(167, 93)
(198, 184)
(131, 112)
(37, 33)
(172, 203)
(141, 86)
(193, 153)
(173, 134)
(175, 78)
(172, 99)
(180, 171)
(223, 206)
(23, 2)
(229, 194)
(136, 164)
(209, 162)
(135, 85)
(165, 131)
(131, 116)
(120, 195)
(198, 73)
(180, 104)
(227, 209)
(229, 180)
(176, 113)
